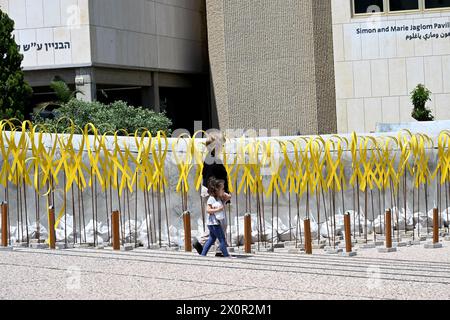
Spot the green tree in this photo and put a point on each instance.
(419, 97)
(14, 91)
(62, 91)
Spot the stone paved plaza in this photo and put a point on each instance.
(410, 273)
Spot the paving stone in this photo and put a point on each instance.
(62, 245)
(127, 247)
(38, 245)
(348, 254)
(333, 250)
(432, 245)
(387, 250)
(368, 246)
(399, 244)
(21, 245)
(296, 251)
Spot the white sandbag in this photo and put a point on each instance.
(422, 220)
(313, 224)
(358, 223)
(399, 219)
(32, 231)
(131, 230)
(446, 217)
(378, 224)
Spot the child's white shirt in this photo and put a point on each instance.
(215, 204)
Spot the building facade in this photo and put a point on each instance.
(272, 65)
(382, 50)
(296, 67)
(150, 53)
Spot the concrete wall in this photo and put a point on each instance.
(272, 65)
(165, 35)
(376, 71)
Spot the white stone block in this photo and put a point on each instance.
(362, 79)
(35, 15)
(397, 77)
(344, 80)
(380, 78)
(52, 13)
(391, 109)
(433, 74)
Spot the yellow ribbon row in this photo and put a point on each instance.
(36, 158)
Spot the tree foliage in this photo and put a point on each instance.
(14, 91)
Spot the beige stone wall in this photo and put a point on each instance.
(375, 72)
(272, 65)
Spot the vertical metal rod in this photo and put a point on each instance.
(136, 214)
(359, 208)
(326, 217)
(167, 214)
(65, 210)
(107, 209)
(373, 216)
(426, 206)
(146, 212)
(26, 209)
(129, 214)
(94, 210)
(158, 198)
(237, 218)
(365, 213)
(74, 217)
(290, 215)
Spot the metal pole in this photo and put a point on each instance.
(308, 240)
(248, 233)
(115, 222)
(4, 207)
(388, 228)
(51, 228)
(187, 231)
(348, 236)
(435, 225)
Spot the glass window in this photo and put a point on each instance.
(403, 5)
(434, 4)
(368, 6)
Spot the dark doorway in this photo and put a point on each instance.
(184, 106)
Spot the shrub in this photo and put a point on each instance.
(419, 97)
(106, 118)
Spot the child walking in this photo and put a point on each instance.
(216, 216)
